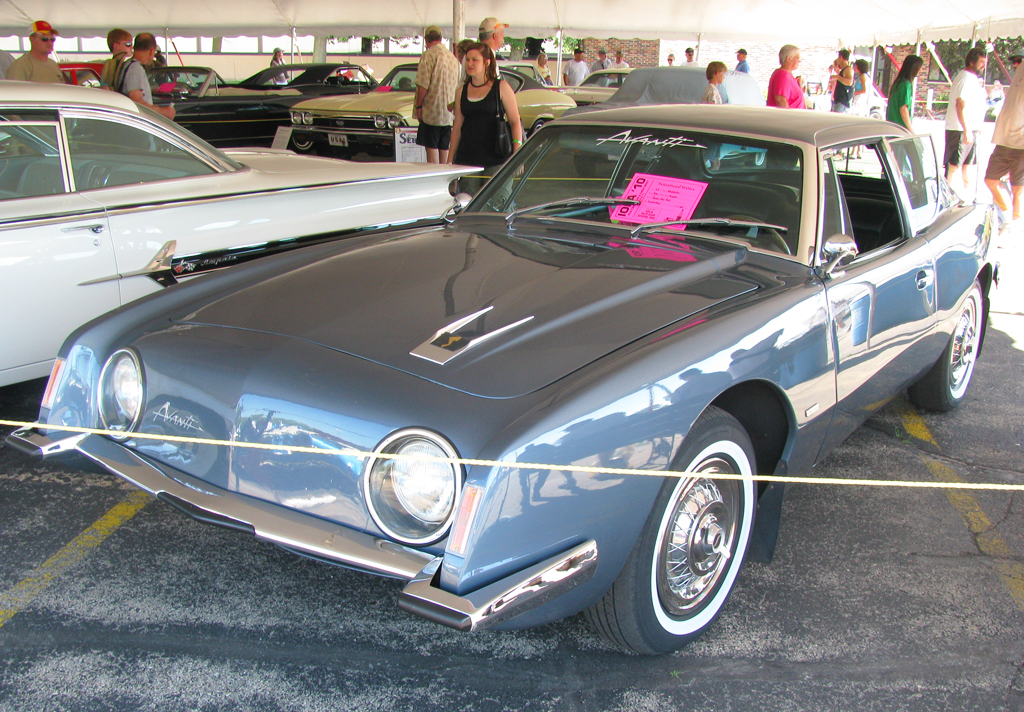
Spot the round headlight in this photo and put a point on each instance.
(380, 121)
(307, 118)
(122, 391)
(296, 117)
(413, 500)
(394, 121)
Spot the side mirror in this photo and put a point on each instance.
(461, 201)
(838, 251)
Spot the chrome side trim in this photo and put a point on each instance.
(52, 219)
(501, 600)
(269, 522)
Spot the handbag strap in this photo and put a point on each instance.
(499, 113)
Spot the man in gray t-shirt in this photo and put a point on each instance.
(136, 84)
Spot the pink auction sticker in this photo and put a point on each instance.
(661, 199)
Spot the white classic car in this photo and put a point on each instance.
(102, 202)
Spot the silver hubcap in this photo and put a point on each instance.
(697, 545)
(965, 341)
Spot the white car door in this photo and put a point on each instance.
(51, 240)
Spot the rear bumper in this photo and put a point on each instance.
(500, 601)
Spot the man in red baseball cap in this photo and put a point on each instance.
(36, 65)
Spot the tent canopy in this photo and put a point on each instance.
(869, 22)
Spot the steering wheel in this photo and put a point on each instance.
(772, 238)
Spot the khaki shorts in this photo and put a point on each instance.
(1006, 160)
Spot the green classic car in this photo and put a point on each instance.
(345, 126)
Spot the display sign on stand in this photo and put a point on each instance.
(406, 150)
(281, 137)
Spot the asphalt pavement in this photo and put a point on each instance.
(878, 598)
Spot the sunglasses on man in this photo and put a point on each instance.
(43, 38)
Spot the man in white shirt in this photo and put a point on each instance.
(965, 114)
(689, 56)
(619, 63)
(576, 70)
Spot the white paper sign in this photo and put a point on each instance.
(406, 150)
(282, 136)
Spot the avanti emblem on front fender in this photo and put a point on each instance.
(458, 337)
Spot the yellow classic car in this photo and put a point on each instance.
(597, 87)
(346, 126)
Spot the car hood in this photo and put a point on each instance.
(511, 312)
(678, 85)
(380, 102)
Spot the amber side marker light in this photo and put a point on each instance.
(471, 495)
(51, 386)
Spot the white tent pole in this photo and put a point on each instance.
(292, 50)
(558, 44)
(700, 38)
(458, 21)
(935, 57)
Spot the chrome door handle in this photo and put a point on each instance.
(94, 229)
(924, 279)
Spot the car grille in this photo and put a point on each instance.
(344, 122)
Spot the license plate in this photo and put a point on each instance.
(337, 139)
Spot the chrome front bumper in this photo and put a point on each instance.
(483, 608)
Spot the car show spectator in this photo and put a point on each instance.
(671, 60)
(478, 110)
(1007, 157)
(689, 56)
(716, 75)
(619, 62)
(119, 42)
(492, 34)
(862, 87)
(965, 114)
(842, 92)
(6, 59)
(784, 91)
(602, 61)
(741, 61)
(278, 61)
(36, 65)
(136, 84)
(576, 70)
(543, 70)
(901, 96)
(437, 78)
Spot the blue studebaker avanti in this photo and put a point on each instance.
(814, 266)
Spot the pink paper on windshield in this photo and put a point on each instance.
(661, 199)
(166, 87)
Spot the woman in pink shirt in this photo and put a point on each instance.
(783, 89)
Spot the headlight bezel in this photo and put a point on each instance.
(394, 121)
(380, 121)
(375, 500)
(307, 118)
(104, 396)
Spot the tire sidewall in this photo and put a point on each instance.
(662, 632)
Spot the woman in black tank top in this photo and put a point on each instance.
(476, 107)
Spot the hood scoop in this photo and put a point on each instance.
(458, 337)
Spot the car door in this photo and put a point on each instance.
(883, 303)
(51, 241)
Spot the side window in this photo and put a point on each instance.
(915, 165)
(874, 210)
(105, 153)
(29, 160)
(835, 217)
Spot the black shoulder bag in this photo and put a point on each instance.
(503, 136)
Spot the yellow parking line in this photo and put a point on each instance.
(1006, 560)
(21, 595)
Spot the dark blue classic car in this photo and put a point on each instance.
(715, 290)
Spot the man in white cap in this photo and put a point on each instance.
(437, 78)
(492, 33)
(36, 65)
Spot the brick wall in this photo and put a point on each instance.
(639, 53)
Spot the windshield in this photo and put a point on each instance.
(184, 81)
(671, 173)
(603, 80)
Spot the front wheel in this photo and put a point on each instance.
(944, 387)
(303, 143)
(681, 571)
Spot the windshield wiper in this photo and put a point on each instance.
(568, 203)
(706, 221)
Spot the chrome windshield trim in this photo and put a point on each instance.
(270, 522)
(502, 600)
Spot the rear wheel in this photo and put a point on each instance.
(682, 569)
(944, 387)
